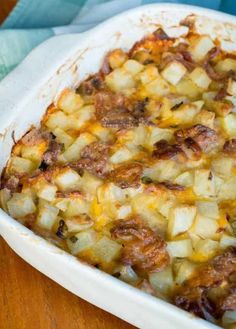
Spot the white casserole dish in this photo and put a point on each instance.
(24, 96)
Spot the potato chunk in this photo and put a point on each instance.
(67, 180)
(73, 151)
(120, 80)
(45, 190)
(200, 78)
(187, 112)
(47, 216)
(208, 209)
(162, 281)
(20, 205)
(226, 65)
(106, 250)
(200, 46)
(173, 72)
(158, 87)
(204, 183)
(69, 101)
(181, 219)
(229, 124)
(81, 241)
(149, 74)
(133, 67)
(117, 58)
(21, 165)
(63, 137)
(180, 248)
(205, 227)
(231, 87)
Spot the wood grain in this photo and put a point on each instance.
(5, 8)
(30, 300)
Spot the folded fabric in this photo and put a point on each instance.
(33, 21)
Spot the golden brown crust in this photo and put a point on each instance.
(143, 249)
(127, 175)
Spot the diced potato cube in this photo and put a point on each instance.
(186, 87)
(208, 96)
(90, 183)
(229, 124)
(47, 216)
(223, 108)
(63, 137)
(228, 189)
(156, 134)
(21, 165)
(226, 65)
(46, 190)
(76, 206)
(69, 101)
(200, 78)
(165, 208)
(184, 269)
(110, 192)
(181, 219)
(133, 67)
(120, 80)
(184, 179)
(180, 248)
(149, 74)
(173, 72)
(227, 241)
(187, 112)
(127, 274)
(204, 183)
(231, 87)
(229, 319)
(61, 203)
(200, 46)
(222, 166)
(208, 209)
(124, 211)
(20, 205)
(205, 227)
(147, 207)
(5, 196)
(73, 151)
(117, 58)
(163, 170)
(206, 118)
(67, 180)
(81, 241)
(140, 135)
(33, 152)
(162, 281)
(100, 132)
(81, 117)
(121, 155)
(153, 109)
(58, 119)
(205, 249)
(106, 250)
(156, 88)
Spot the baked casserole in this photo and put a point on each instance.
(134, 172)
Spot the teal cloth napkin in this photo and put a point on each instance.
(33, 21)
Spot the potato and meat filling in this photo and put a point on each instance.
(134, 172)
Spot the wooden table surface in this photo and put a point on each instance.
(29, 300)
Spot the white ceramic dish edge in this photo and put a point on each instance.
(24, 95)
